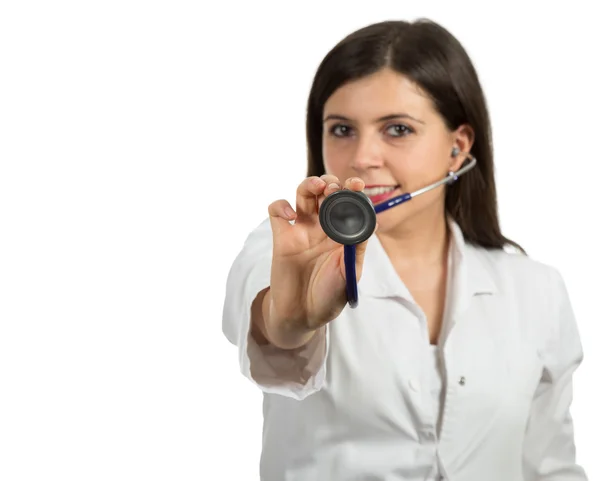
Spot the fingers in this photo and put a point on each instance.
(354, 183)
(312, 191)
(309, 193)
(333, 184)
(330, 179)
(306, 195)
(280, 215)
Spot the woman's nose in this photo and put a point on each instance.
(367, 155)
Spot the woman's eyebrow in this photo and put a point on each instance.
(380, 119)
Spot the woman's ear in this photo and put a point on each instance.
(464, 137)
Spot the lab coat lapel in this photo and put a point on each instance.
(470, 276)
(379, 278)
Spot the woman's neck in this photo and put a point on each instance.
(418, 243)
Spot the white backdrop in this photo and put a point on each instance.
(140, 142)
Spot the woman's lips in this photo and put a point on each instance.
(374, 193)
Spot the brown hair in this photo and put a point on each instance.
(433, 58)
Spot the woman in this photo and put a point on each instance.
(457, 363)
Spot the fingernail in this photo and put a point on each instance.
(289, 212)
(318, 181)
(334, 186)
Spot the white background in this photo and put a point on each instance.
(140, 142)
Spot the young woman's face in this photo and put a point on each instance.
(384, 130)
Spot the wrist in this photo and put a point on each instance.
(284, 335)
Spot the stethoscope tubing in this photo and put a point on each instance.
(351, 283)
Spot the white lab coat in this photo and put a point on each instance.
(362, 401)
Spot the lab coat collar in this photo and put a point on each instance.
(471, 274)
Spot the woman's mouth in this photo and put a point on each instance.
(381, 193)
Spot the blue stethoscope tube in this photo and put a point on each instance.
(349, 218)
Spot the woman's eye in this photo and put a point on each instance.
(399, 130)
(340, 130)
(396, 130)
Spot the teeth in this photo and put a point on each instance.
(378, 190)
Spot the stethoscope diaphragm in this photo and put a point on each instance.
(348, 217)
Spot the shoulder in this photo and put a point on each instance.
(532, 292)
(527, 289)
(533, 295)
(518, 270)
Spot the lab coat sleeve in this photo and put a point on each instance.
(293, 373)
(549, 448)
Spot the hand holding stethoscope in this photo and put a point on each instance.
(308, 273)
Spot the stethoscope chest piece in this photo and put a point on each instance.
(348, 217)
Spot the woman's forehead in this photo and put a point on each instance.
(376, 96)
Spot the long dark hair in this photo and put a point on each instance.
(433, 58)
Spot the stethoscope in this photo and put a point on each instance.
(349, 218)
